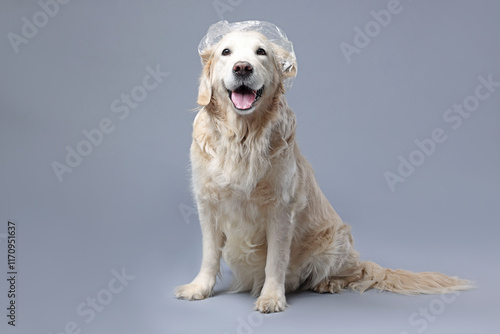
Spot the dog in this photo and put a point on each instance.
(259, 205)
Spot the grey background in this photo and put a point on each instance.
(127, 205)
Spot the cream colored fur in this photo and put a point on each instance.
(260, 207)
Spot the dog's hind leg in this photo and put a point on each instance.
(335, 284)
(344, 264)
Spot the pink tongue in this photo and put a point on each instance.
(243, 100)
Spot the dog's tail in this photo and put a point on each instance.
(406, 282)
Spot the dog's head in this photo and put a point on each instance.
(244, 70)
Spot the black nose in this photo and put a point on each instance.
(242, 68)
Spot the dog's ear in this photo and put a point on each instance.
(205, 88)
(289, 69)
(285, 62)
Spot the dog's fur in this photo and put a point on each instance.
(260, 207)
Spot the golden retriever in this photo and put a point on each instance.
(259, 205)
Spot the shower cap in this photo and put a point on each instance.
(271, 31)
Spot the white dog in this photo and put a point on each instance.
(260, 207)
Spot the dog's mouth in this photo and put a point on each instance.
(244, 98)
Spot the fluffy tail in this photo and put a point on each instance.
(406, 282)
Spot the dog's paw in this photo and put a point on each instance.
(271, 303)
(330, 286)
(193, 291)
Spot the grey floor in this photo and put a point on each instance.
(101, 248)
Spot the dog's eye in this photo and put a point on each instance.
(226, 52)
(261, 52)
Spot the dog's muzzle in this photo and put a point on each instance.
(244, 98)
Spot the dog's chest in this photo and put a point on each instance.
(240, 170)
(243, 174)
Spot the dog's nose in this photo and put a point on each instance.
(242, 68)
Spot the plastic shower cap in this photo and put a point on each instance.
(271, 31)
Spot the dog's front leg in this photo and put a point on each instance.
(203, 284)
(279, 237)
